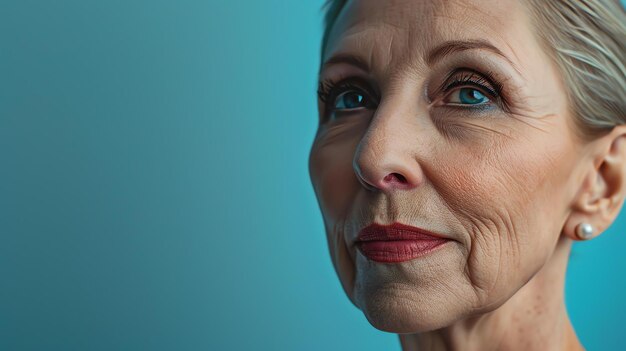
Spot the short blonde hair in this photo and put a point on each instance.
(586, 39)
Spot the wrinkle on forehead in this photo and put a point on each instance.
(370, 25)
(399, 32)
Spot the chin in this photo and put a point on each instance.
(412, 297)
(388, 311)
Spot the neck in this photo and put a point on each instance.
(535, 318)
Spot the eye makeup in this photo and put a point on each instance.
(475, 69)
(468, 74)
(465, 77)
(328, 91)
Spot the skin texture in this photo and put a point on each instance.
(508, 183)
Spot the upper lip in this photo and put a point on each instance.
(396, 231)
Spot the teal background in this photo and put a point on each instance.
(154, 191)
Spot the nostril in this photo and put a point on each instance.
(394, 177)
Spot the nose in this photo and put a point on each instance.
(385, 159)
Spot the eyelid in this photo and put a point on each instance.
(330, 89)
(475, 79)
(493, 89)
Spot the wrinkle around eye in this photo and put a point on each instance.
(349, 115)
(341, 131)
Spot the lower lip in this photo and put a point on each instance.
(394, 251)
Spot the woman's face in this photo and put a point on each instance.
(459, 103)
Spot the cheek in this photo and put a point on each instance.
(333, 182)
(335, 185)
(510, 200)
(526, 180)
(331, 171)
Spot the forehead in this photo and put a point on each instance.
(388, 33)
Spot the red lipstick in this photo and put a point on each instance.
(397, 242)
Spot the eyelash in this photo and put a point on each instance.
(482, 81)
(329, 90)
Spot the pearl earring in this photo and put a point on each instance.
(584, 231)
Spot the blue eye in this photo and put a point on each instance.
(350, 100)
(468, 96)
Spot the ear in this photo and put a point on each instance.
(601, 195)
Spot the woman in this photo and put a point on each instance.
(462, 147)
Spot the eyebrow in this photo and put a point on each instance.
(346, 58)
(450, 47)
(439, 52)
